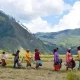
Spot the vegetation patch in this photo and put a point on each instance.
(72, 76)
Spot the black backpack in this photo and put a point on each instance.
(60, 61)
(73, 63)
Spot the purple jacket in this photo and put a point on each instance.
(56, 57)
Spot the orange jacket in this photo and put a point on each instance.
(28, 56)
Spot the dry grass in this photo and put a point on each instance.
(46, 72)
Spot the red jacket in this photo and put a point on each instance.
(37, 57)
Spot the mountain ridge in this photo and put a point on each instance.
(13, 36)
(66, 38)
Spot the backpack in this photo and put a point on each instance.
(73, 63)
(60, 61)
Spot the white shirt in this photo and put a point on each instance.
(3, 56)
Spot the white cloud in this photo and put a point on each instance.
(30, 9)
(38, 25)
(69, 21)
(33, 10)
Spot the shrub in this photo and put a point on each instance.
(72, 76)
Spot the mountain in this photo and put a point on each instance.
(13, 36)
(63, 39)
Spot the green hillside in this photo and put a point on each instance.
(13, 36)
(62, 39)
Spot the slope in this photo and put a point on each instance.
(13, 36)
(66, 38)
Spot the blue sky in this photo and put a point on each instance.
(44, 15)
(71, 2)
(52, 19)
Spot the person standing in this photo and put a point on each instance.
(16, 59)
(3, 59)
(28, 58)
(37, 57)
(69, 58)
(78, 48)
(56, 59)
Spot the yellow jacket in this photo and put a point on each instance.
(28, 56)
(79, 54)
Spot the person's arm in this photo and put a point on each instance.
(4, 56)
(39, 55)
(79, 55)
(55, 57)
(67, 58)
(28, 56)
(14, 54)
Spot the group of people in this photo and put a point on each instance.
(28, 59)
(70, 62)
(36, 58)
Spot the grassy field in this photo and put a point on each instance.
(46, 72)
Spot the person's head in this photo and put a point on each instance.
(78, 48)
(3, 52)
(55, 50)
(27, 50)
(36, 50)
(18, 51)
(69, 50)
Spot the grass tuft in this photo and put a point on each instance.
(72, 76)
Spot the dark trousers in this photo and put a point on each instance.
(28, 63)
(16, 62)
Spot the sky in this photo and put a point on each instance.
(44, 15)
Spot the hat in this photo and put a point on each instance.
(69, 48)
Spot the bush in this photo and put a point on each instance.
(72, 76)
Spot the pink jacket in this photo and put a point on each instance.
(68, 57)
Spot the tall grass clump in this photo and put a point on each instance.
(72, 76)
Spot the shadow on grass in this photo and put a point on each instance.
(40, 68)
(9, 66)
